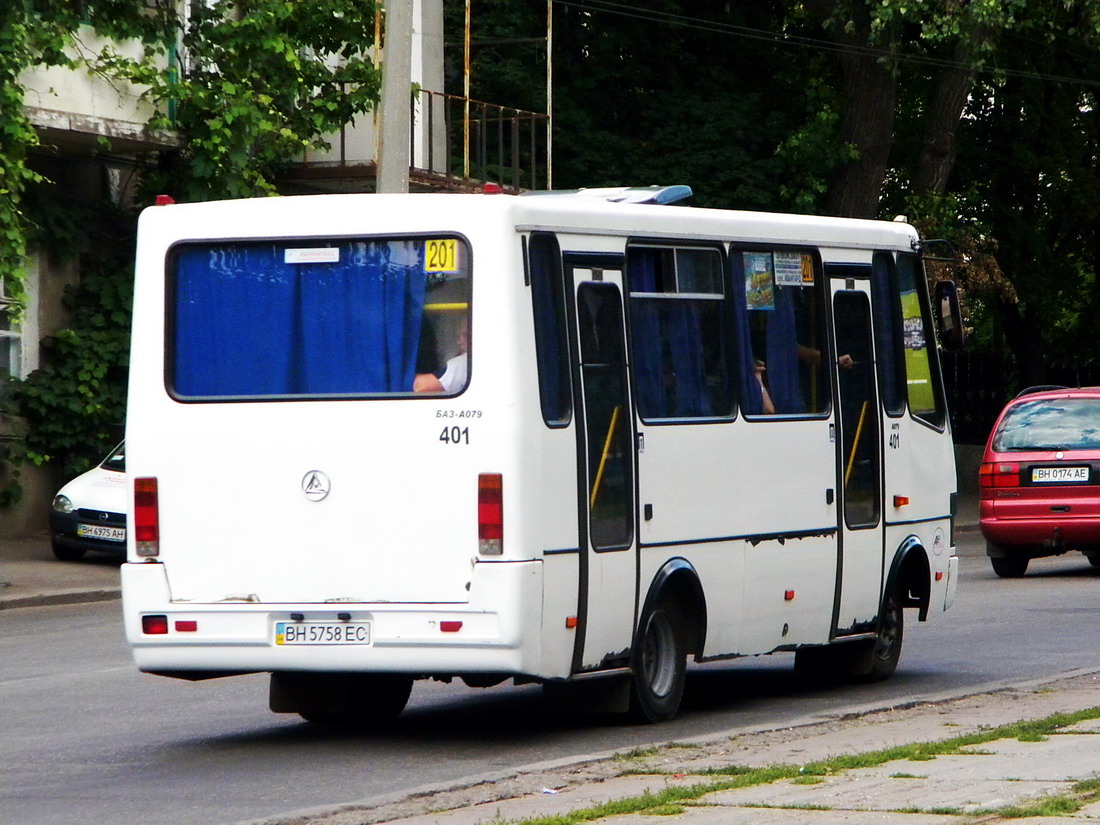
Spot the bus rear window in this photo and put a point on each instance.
(322, 318)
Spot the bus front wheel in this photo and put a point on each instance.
(880, 659)
(864, 660)
(658, 664)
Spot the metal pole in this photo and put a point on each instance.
(394, 148)
(466, 95)
(549, 89)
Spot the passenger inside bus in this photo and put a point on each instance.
(768, 407)
(452, 377)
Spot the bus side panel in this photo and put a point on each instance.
(753, 493)
(561, 584)
(914, 472)
(548, 468)
(787, 470)
(683, 475)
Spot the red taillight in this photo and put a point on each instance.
(450, 627)
(490, 514)
(998, 474)
(155, 625)
(146, 517)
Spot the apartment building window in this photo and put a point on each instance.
(19, 330)
(11, 343)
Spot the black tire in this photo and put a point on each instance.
(865, 660)
(658, 664)
(63, 553)
(1009, 567)
(880, 659)
(362, 701)
(1094, 559)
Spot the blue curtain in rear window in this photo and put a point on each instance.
(247, 323)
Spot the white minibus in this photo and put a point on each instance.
(573, 438)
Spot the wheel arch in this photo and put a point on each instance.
(911, 576)
(678, 578)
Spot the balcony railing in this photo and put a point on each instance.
(480, 141)
(455, 142)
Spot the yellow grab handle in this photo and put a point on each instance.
(603, 459)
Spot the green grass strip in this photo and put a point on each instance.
(672, 799)
(1081, 794)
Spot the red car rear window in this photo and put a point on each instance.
(1050, 424)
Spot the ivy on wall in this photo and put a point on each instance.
(250, 86)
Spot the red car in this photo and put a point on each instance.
(1039, 482)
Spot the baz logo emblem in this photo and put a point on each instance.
(315, 485)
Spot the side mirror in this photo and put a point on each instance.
(952, 333)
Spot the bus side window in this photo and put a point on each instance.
(781, 333)
(888, 333)
(925, 394)
(679, 332)
(551, 345)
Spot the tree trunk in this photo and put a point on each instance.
(870, 96)
(941, 124)
(869, 85)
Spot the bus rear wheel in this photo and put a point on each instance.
(658, 664)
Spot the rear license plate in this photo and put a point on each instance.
(99, 531)
(322, 633)
(1041, 475)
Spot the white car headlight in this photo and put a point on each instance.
(62, 504)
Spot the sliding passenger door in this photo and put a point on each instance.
(859, 457)
(606, 463)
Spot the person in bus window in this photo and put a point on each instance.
(768, 408)
(453, 377)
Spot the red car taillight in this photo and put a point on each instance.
(146, 517)
(490, 514)
(998, 474)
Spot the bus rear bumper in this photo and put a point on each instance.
(191, 640)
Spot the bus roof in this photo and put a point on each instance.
(582, 212)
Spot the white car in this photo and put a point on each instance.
(89, 513)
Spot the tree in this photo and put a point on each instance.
(1030, 153)
(257, 83)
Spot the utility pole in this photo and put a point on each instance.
(395, 129)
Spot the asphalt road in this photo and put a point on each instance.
(84, 736)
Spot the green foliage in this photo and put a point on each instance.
(813, 151)
(75, 405)
(262, 82)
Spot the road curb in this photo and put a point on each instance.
(64, 597)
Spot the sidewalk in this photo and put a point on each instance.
(30, 576)
(956, 761)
